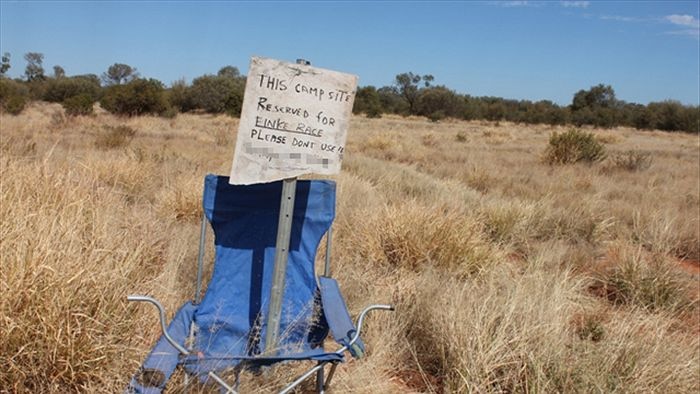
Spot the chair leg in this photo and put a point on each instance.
(330, 376)
(303, 377)
(222, 383)
(319, 381)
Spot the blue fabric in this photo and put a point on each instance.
(164, 358)
(337, 316)
(231, 319)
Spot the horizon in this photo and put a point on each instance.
(647, 51)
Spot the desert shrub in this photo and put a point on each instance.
(461, 137)
(170, 112)
(573, 146)
(59, 90)
(668, 116)
(439, 102)
(367, 101)
(632, 160)
(179, 96)
(437, 116)
(391, 101)
(374, 112)
(13, 96)
(218, 94)
(114, 137)
(81, 104)
(15, 104)
(138, 97)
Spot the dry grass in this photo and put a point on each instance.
(509, 275)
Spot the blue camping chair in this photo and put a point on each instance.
(223, 331)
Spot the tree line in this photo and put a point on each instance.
(123, 91)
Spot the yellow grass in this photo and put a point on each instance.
(509, 275)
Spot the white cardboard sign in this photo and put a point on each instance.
(294, 121)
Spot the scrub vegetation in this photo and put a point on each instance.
(510, 271)
(123, 91)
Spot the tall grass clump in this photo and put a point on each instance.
(632, 160)
(503, 332)
(70, 254)
(648, 281)
(573, 146)
(114, 137)
(415, 237)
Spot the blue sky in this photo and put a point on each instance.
(648, 51)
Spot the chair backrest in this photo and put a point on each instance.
(231, 317)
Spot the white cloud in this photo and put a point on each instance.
(513, 3)
(575, 4)
(695, 33)
(689, 23)
(683, 20)
(620, 18)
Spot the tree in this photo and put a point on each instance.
(596, 106)
(34, 70)
(229, 72)
(119, 73)
(140, 96)
(5, 65)
(217, 94)
(599, 96)
(437, 102)
(367, 101)
(81, 104)
(391, 101)
(179, 96)
(408, 86)
(60, 89)
(58, 72)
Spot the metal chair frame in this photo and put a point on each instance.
(322, 383)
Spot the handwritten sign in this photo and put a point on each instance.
(294, 121)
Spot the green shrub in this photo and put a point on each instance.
(15, 104)
(437, 116)
(59, 90)
(138, 97)
(439, 102)
(179, 96)
(81, 104)
(114, 137)
(170, 112)
(374, 112)
(218, 94)
(367, 101)
(573, 146)
(13, 96)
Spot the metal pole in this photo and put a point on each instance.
(281, 254)
(200, 259)
(284, 229)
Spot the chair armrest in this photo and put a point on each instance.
(360, 321)
(161, 313)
